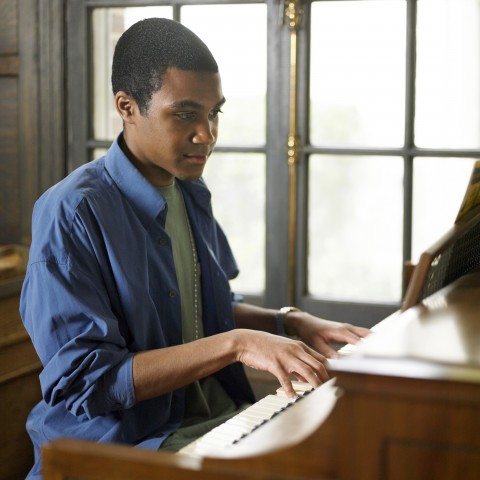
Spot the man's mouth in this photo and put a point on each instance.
(199, 158)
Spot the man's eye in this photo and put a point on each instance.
(186, 115)
(214, 113)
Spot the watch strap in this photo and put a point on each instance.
(280, 319)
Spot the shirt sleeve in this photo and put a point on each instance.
(67, 309)
(78, 339)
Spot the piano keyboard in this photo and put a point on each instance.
(229, 433)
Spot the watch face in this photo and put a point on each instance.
(285, 310)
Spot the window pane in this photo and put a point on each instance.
(107, 26)
(237, 182)
(448, 74)
(97, 153)
(357, 83)
(439, 187)
(355, 227)
(237, 37)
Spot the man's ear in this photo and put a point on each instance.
(126, 106)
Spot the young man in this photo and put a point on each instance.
(127, 296)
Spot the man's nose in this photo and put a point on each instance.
(206, 133)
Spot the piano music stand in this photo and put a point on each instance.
(453, 255)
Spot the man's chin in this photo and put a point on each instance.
(190, 176)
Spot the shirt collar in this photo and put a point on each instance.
(141, 193)
(198, 192)
(136, 188)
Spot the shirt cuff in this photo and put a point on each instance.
(115, 389)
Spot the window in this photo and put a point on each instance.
(393, 130)
(388, 124)
(357, 100)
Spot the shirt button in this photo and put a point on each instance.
(172, 294)
(162, 241)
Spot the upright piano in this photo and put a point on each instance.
(404, 404)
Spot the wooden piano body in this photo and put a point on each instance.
(408, 407)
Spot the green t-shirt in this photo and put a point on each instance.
(206, 402)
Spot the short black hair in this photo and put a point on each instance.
(147, 49)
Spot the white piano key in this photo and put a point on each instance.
(259, 411)
(212, 440)
(225, 437)
(276, 401)
(239, 425)
(300, 388)
(249, 421)
(242, 427)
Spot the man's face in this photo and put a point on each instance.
(179, 131)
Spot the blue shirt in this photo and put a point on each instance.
(100, 286)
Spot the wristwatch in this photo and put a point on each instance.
(280, 319)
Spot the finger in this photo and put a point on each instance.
(325, 349)
(286, 385)
(315, 353)
(360, 331)
(328, 351)
(318, 361)
(299, 378)
(344, 335)
(312, 371)
(311, 377)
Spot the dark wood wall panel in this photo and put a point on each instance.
(10, 224)
(8, 27)
(9, 164)
(32, 131)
